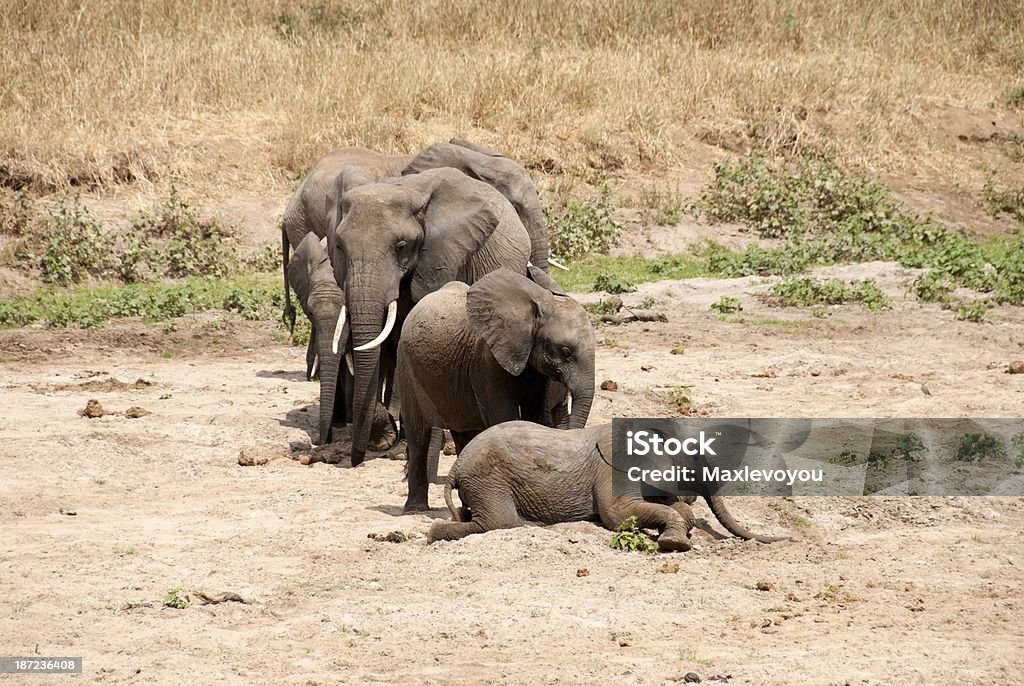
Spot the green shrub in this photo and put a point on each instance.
(613, 284)
(977, 447)
(177, 599)
(583, 228)
(805, 291)
(726, 305)
(74, 246)
(629, 537)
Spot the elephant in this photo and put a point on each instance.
(307, 210)
(470, 357)
(311, 277)
(520, 473)
(393, 242)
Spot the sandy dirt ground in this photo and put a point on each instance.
(102, 517)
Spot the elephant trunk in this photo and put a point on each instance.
(536, 226)
(582, 399)
(367, 321)
(722, 514)
(329, 367)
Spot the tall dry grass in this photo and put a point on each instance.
(242, 91)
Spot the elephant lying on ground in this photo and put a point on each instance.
(474, 356)
(521, 473)
(311, 277)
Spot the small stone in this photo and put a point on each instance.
(1016, 367)
(252, 459)
(668, 568)
(678, 350)
(609, 385)
(582, 571)
(646, 367)
(691, 678)
(136, 412)
(763, 585)
(92, 410)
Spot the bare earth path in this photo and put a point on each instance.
(871, 591)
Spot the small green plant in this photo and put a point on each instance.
(603, 307)
(726, 305)
(647, 303)
(1017, 441)
(583, 228)
(909, 447)
(613, 284)
(975, 311)
(177, 599)
(977, 447)
(846, 458)
(629, 537)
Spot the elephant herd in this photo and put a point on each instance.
(425, 282)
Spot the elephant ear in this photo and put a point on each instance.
(503, 308)
(475, 147)
(348, 178)
(483, 164)
(458, 215)
(544, 280)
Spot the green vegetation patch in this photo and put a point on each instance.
(808, 291)
(628, 536)
(252, 297)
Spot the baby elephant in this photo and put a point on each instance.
(474, 356)
(521, 473)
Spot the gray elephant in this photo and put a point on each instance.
(521, 473)
(474, 356)
(311, 277)
(394, 242)
(307, 210)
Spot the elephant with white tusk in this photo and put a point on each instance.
(306, 210)
(311, 277)
(474, 356)
(392, 243)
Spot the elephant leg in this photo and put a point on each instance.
(462, 438)
(441, 530)
(434, 455)
(417, 445)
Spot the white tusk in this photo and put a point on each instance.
(316, 366)
(385, 332)
(556, 263)
(337, 330)
(348, 361)
(529, 264)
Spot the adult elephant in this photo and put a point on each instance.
(474, 356)
(307, 210)
(393, 242)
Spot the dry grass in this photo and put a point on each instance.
(248, 93)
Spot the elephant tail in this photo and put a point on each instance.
(722, 514)
(452, 482)
(288, 316)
